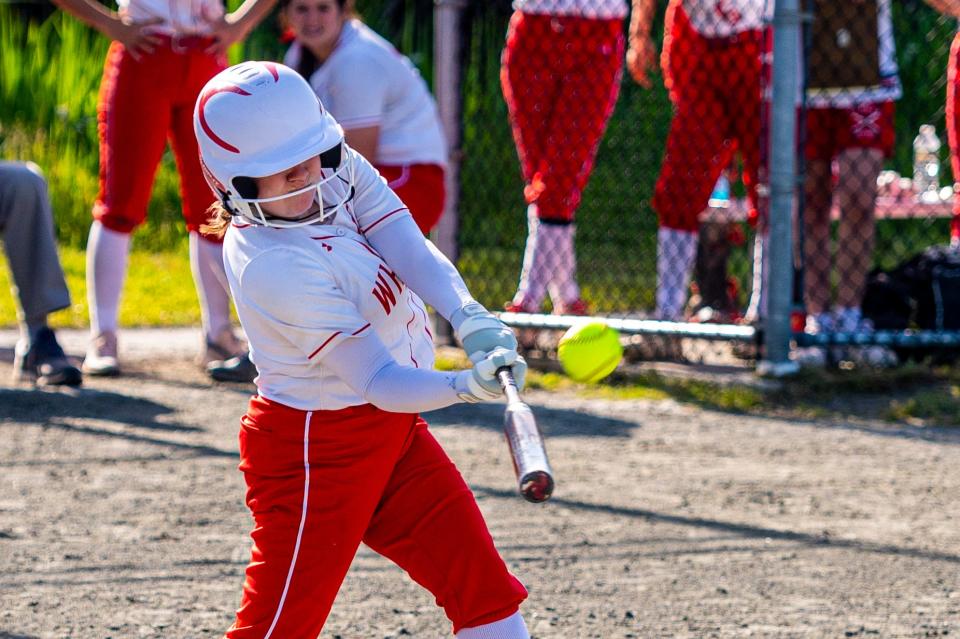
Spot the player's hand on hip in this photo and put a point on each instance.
(139, 38)
(480, 331)
(480, 383)
(225, 31)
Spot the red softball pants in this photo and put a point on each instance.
(421, 187)
(953, 127)
(714, 84)
(142, 104)
(319, 483)
(560, 78)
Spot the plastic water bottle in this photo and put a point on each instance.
(926, 164)
(720, 198)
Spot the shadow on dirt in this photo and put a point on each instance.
(552, 422)
(740, 530)
(41, 406)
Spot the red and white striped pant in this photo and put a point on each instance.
(714, 84)
(560, 78)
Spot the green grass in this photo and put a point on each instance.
(158, 292)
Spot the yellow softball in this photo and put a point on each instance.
(589, 351)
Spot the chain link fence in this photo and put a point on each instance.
(638, 192)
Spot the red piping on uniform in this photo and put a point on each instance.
(395, 211)
(322, 346)
(361, 329)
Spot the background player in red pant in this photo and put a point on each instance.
(330, 274)
(712, 69)
(952, 8)
(163, 51)
(560, 77)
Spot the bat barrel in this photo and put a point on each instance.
(534, 476)
(536, 486)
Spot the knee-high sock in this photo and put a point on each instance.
(757, 309)
(511, 627)
(533, 276)
(107, 253)
(562, 262)
(676, 252)
(210, 278)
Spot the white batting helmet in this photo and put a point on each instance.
(260, 118)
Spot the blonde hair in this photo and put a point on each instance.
(218, 220)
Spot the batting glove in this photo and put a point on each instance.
(480, 383)
(480, 331)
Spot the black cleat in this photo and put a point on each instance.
(44, 363)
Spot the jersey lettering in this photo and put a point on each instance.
(384, 292)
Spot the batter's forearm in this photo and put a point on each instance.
(421, 266)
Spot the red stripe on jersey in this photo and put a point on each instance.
(394, 212)
(369, 248)
(322, 346)
(361, 329)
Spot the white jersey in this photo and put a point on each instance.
(597, 9)
(366, 82)
(301, 291)
(889, 89)
(179, 16)
(724, 18)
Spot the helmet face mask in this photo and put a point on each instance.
(259, 119)
(336, 182)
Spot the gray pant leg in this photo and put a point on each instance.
(26, 223)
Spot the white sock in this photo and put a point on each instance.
(757, 308)
(210, 278)
(512, 627)
(107, 253)
(562, 262)
(533, 276)
(676, 252)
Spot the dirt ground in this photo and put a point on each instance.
(122, 515)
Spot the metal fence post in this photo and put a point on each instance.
(446, 72)
(446, 87)
(783, 186)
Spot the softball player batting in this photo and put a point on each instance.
(560, 78)
(712, 69)
(162, 52)
(330, 275)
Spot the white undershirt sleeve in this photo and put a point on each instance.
(421, 265)
(365, 364)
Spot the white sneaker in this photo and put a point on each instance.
(101, 359)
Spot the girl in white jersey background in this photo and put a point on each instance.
(330, 275)
(377, 95)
